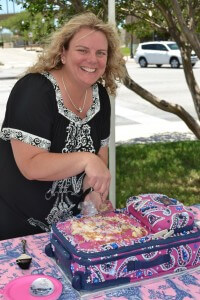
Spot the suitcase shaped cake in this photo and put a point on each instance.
(153, 236)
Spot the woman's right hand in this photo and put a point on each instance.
(98, 176)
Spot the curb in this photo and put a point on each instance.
(9, 77)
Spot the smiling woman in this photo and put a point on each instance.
(54, 138)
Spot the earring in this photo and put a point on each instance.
(62, 60)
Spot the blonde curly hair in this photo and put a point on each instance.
(51, 57)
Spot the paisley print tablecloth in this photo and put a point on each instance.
(180, 287)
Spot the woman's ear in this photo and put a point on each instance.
(62, 56)
(63, 59)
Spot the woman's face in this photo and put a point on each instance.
(85, 59)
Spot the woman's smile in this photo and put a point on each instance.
(89, 70)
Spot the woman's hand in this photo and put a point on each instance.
(98, 176)
(93, 196)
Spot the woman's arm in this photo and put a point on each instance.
(95, 196)
(38, 164)
(103, 154)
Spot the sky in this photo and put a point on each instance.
(12, 8)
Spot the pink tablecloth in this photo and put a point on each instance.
(180, 287)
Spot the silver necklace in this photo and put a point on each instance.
(79, 109)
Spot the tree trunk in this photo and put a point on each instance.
(176, 109)
(188, 33)
(190, 79)
(179, 37)
(78, 6)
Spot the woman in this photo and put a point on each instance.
(54, 138)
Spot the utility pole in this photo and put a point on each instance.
(131, 50)
(13, 6)
(112, 150)
(7, 6)
(111, 11)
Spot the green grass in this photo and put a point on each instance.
(125, 51)
(172, 169)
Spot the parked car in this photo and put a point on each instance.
(160, 53)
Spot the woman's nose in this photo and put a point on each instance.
(92, 57)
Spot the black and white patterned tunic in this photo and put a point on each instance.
(35, 114)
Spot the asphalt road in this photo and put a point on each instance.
(135, 117)
(165, 83)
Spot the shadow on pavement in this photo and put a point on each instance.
(162, 137)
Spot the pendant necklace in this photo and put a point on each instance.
(79, 109)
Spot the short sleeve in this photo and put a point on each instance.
(30, 111)
(105, 116)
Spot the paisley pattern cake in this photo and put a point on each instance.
(93, 232)
(159, 212)
(153, 236)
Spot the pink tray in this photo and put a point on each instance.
(19, 288)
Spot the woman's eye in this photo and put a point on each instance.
(101, 53)
(82, 50)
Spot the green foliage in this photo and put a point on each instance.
(24, 25)
(41, 27)
(151, 15)
(14, 22)
(140, 29)
(64, 9)
(166, 168)
(125, 51)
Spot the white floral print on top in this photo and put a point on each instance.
(31, 139)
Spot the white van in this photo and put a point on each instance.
(160, 53)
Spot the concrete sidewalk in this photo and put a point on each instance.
(136, 127)
(15, 61)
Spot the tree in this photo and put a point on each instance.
(15, 23)
(178, 19)
(24, 26)
(63, 9)
(181, 20)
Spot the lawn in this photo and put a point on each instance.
(170, 168)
